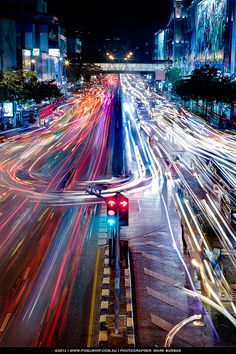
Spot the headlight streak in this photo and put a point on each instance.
(170, 336)
(202, 146)
(193, 292)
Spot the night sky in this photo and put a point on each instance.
(135, 22)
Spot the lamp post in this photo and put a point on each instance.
(32, 64)
(129, 56)
(110, 56)
(65, 65)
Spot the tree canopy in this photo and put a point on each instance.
(205, 84)
(173, 74)
(23, 85)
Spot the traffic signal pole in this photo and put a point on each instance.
(117, 213)
(117, 276)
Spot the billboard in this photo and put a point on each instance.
(159, 50)
(53, 36)
(8, 109)
(211, 18)
(161, 45)
(36, 52)
(54, 52)
(26, 59)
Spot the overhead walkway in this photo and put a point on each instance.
(133, 67)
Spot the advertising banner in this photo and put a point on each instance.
(7, 109)
(211, 20)
(53, 36)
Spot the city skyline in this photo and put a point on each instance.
(98, 21)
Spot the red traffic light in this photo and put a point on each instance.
(111, 203)
(123, 203)
(123, 210)
(111, 208)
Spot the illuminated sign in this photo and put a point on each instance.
(36, 52)
(211, 20)
(8, 109)
(63, 38)
(161, 46)
(54, 52)
(53, 36)
(26, 52)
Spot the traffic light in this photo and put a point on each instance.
(123, 205)
(111, 210)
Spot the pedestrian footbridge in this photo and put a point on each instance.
(133, 67)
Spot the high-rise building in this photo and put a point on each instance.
(175, 35)
(74, 49)
(202, 32)
(7, 44)
(41, 44)
(22, 8)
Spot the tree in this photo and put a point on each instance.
(88, 70)
(205, 84)
(23, 85)
(173, 74)
(73, 72)
(183, 89)
(42, 90)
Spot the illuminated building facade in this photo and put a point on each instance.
(202, 32)
(40, 43)
(159, 46)
(74, 48)
(175, 35)
(7, 44)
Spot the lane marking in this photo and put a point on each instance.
(5, 322)
(168, 300)
(161, 260)
(26, 273)
(90, 332)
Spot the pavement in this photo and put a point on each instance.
(102, 324)
(158, 275)
(152, 299)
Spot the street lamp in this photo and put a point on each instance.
(32, 64)
(129, 56)
(66, 64)
(110, 56)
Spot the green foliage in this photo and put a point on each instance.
(173, 74)
(88, 70)
(23, 85)
(182, 89)
(205, 84)
(73, 73)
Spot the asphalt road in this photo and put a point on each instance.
(47, 245)
(171, 281)
(47, 236)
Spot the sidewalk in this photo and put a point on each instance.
(159, 279)
(101, 331)
(107, 337)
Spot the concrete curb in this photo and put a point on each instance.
(103, 332)
(105, 295)
(129, 307)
